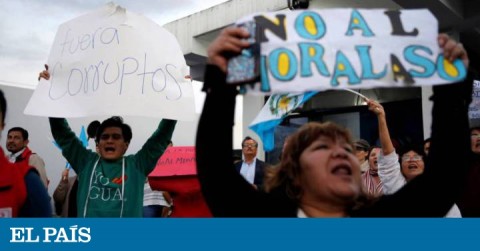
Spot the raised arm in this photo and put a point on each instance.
(226, 192)
(154, 147)
(385, 140)
(72, 148)
(432, 193)
(60, 193)
(389, 169)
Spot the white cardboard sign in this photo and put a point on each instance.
(349, 48)
(114, 62)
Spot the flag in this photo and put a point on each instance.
(273, 112)
(82, 137)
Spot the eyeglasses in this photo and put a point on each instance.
(475, 136)
(249, 145)
(413, 158)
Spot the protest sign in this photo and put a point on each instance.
(176, 160)
(114, 62)
(474, 108)
(349, 48)
(176, 172)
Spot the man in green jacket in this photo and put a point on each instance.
(109, 183)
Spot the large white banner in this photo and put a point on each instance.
(114, 62)
(349, 48)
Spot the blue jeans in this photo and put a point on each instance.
(152, 211)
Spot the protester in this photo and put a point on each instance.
(426, 146)
(22, 193)
(65, 195)
(475, 139)
(319, 175)
(251, 168)
(469, 202)
(156, 203)
(371, 182)
(395, 174)
(109, 183)
(17, 145)
(362, 147)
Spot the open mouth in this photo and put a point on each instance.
(342, 170)
(412, 167)
(109, 149)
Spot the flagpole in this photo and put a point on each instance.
(354, 92)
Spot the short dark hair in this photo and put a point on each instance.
(3, 104)
(371, 149)
(19, 129)
(115, 121)
(249, 138)
(362, 144)
(92, 129)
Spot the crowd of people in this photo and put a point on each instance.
(319, 174)
(323, 171)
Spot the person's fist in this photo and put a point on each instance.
(44, 74)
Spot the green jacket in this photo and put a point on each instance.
(104, 187)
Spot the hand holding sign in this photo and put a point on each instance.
(269, 117)
(44, 74)
(452, 50)
(229, 41)
(353, 48)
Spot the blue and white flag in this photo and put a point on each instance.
(82, 137)
(273, 112)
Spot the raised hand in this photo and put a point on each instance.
(452, 49)
(230, 41)
(44, 74)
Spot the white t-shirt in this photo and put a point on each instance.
(248, 170)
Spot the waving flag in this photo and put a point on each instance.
(83, 137)
(273, 112)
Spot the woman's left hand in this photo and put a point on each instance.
(452, 49)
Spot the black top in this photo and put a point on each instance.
(431, 194)
(469, 199)
(259, 171)
(37, 202)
